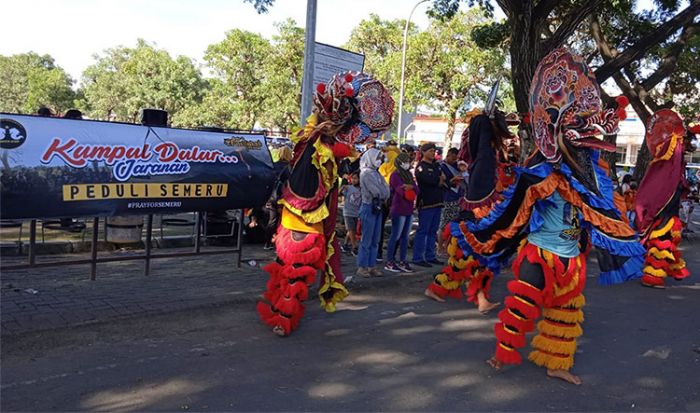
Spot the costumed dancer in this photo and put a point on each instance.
(560, 203)
(350, 109)
(490, 172)
(659, 197)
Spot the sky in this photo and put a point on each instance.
(72, 31)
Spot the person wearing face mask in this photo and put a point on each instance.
(374, 192)
(403, 195)
(430, 181)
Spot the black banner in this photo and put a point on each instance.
(66, 168)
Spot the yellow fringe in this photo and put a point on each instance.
(663, 230)
(445, 282)
(669, 152)
(551, 362)
(679, 265)
(294, 222)
(661, 254)
(559, 291)
(540, 342)
(654, 272)
(460, 264)
(324, 156)
(338, 295)
(577, 302)
(559, 331)
(563, 315)
(311, 217)
(452, 247)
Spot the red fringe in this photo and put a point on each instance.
(306, 204)
(507, 357)
(439, 290)
(651, 280)
(516, 340)
(310, 250)
(507, 318)
(530, 312)
(476, 282)
(524, 289)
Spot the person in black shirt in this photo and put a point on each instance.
(431, 181)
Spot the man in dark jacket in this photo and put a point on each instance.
(430, 185)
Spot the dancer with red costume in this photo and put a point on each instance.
(560, 204)
(352, 108)
(659, 196)
(490, 172)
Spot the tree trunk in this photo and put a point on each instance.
(643, 160)
(451, 120)
(525, 54)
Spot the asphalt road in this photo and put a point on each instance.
(388, 349)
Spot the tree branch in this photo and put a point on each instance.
(571, 21)
(670, 59)
(661, 33)
(543, 8)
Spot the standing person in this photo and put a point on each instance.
(430, 182)
(659, 197)
(561, 204)
(391, 151)
(352, 200)
(452, 195)
(375, 192)
(404, 192)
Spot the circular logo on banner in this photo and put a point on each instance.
(12, 134)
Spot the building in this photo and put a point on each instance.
(430, 128)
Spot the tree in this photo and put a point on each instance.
(283, 77)
(454, 72)
(237, 94)
(381, 42)
(535, 27)
(30, 81)
(125, 80)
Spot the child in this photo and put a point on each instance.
(351, 212)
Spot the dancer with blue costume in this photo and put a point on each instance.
(560, 205)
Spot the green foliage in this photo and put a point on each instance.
(125, 80)
(446, 9)
(456, 74)
(30, 81)
(237, 94)
(262, 6)
(491, 35)
(283, 77)
(381, 41)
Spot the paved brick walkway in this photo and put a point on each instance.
(65, 296)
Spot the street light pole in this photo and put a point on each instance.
(403, 69)
(307, 86)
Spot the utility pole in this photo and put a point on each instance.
(403, 70)
(307, 86)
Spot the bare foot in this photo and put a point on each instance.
(279, 331)
(487, 306)
(564, 375)
(493, 362)
(430, 294)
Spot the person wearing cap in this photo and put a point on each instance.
(430, 199)
(452, 194)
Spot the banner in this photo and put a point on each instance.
(331, 60)
(67, 168)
